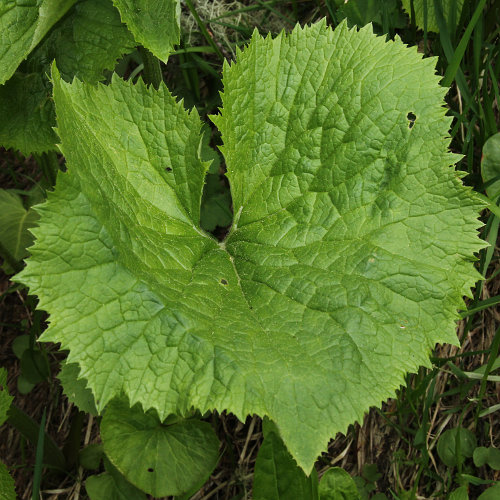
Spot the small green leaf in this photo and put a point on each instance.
(76, 389)
(15, 221)
(90, 457)
(20, 344)
(34, 366)
(216, 204)
(447, 445)
(490, 166)
(492, 493)
(459, 494)
(490, 456)
(337, 484)
(111, 485)
(277, 475)
(7, 485)
(159, 459)
(24, 386)
(154, 23)
(5, 397)
(371, 473)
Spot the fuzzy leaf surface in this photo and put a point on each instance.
(22, 27)
(348, 257)
(154, 23)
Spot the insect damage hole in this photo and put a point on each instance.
(168, 169)
(223, 282)
(411, 117)
(151, 469)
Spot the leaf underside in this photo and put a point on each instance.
(349, 254)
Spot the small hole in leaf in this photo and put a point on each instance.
(223, 281)
(151, 470)
(169, 169)
(411, 117)
(1, 388)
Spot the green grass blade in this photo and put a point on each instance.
(480, 306)
(452, 68)
(37, 476)
(495, 345)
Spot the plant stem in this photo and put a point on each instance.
(151, 74)
(28, 428)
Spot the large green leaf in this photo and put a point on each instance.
(449, 8)
(87, 41)
(22, 27)
(348, 257)
(154, 23)
(168, 458)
